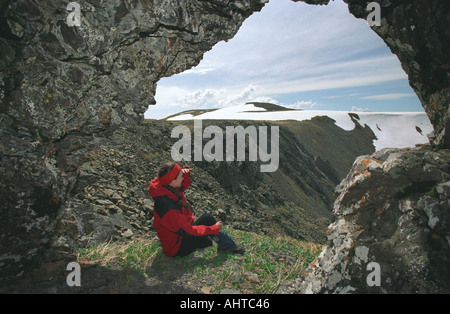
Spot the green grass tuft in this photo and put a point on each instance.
(267, 263)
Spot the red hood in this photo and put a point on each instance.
(155, 189)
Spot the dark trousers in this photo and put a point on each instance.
(190, 244)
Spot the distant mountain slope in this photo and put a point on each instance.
(268, 106)
(392, 129)
(248, 107)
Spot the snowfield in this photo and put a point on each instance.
(392, 129)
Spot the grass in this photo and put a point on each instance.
(266, 264)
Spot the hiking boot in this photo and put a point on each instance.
(237, 250)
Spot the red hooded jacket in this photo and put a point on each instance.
(172, 221)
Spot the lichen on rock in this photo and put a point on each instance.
(397, 217)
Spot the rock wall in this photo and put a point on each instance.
(418, 32)
(393, 209)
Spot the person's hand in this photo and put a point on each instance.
(185, 170)
(219, 224)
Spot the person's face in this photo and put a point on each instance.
(178, 181)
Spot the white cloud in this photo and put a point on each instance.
(388, 96)
(168, 95)
(201, 99)
(288, 39)
(212, 98)
(202, 69)
(332, 81)
(301, 104)
(248, 94)
(354, 108)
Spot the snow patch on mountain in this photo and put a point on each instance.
(392, 129)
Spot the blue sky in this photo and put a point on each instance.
(295, 55)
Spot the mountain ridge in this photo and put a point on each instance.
(392, 129)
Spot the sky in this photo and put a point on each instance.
(295, 55)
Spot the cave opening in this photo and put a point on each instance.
(298, 56)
